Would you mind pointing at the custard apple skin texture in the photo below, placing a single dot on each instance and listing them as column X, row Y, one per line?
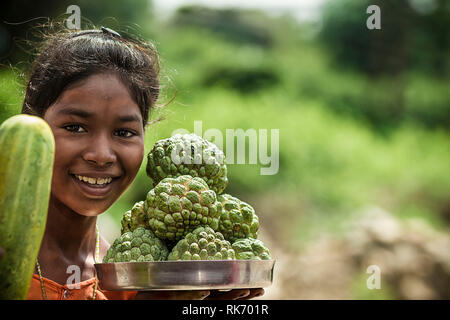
column 202, row 244
column 134, row 218
column 176, row 206
column 137, row 246
column 238, row 219
column 188, row 154
column 251, row 249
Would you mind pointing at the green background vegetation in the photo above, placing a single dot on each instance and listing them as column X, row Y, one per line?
column 363, row 115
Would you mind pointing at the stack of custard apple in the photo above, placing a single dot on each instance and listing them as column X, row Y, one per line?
column 186, row 215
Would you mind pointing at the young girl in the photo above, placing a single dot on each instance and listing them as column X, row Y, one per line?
column 95, row 89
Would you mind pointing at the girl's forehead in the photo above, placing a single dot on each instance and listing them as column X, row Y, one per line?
column 104, row 84
column 101, row 95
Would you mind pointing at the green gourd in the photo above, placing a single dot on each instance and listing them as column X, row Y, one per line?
column 27, row 149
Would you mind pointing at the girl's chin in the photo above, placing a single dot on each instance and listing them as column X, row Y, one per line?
column 89, row 208
column 84, row 208
column 90, row 213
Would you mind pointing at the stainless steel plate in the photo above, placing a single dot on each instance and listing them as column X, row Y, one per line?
column 185, row 275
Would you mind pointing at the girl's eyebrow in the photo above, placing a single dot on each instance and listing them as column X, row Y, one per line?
column 130, row 118
column 85, row 114
column 76, row 112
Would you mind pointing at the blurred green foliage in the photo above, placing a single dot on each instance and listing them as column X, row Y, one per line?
column 407, row 61
column 361, row 292
column 237, row 26
column 11, row 93
column 414, row 34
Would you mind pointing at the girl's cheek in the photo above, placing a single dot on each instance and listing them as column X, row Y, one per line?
column 132, row 154
column 132, row 161
column 63, row 151
column 66, row 154
column 139, row 157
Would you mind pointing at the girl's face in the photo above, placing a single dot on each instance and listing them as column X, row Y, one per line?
column 99, row 140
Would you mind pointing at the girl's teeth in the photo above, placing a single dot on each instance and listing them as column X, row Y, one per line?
column 94, row 180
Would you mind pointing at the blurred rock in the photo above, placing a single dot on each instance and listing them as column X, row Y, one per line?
column 414, row 287
column 378, row 226
column 413, row 258
column 411, row 255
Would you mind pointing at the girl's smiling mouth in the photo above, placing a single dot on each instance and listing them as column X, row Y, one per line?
column 94, row 181
column 95, row 185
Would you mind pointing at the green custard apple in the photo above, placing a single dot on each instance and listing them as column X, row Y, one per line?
column 134, row 218
column 176, row 206
column 137, row 246
column 238, row 219
column 188, row 154
column 251, row 249
column 202, row 244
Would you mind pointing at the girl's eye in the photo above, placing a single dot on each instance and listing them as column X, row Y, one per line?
column 74, row 128
column 125, row 133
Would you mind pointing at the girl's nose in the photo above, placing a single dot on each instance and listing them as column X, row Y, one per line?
column 100, row 152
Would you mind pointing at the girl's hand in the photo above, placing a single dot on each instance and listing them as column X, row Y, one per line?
column 172, row 295
column 235, row 294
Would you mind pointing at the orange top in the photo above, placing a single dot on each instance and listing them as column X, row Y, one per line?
column 85, row 291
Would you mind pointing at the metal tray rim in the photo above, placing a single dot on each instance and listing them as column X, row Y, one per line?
column 185, row 275
column 189, row 261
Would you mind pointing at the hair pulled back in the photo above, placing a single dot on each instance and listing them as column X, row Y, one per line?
column 68, row 56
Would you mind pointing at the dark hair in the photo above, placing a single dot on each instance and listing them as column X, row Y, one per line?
column 69, row 56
